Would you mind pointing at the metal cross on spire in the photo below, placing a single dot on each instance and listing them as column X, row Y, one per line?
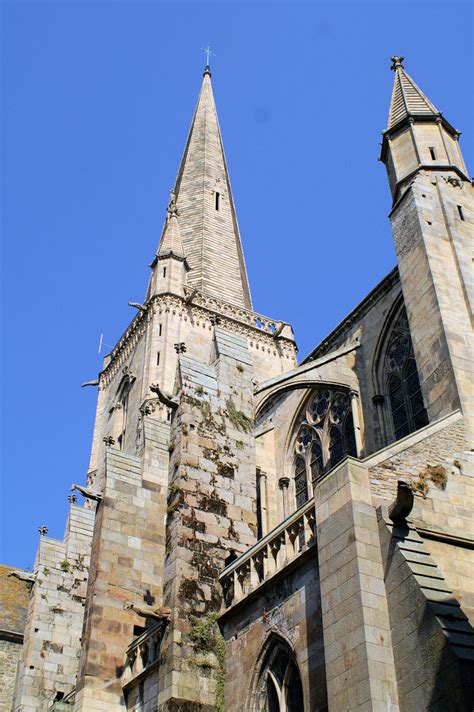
column 209, row 53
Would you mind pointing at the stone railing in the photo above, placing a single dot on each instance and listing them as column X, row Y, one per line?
column 269, row 555
column 143, row 653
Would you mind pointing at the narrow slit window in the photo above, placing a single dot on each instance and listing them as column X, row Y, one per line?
column 158, row 358
column 164, row 271
column 160, row 329
column 217, row 198
column 432, row 153
column 461, row 212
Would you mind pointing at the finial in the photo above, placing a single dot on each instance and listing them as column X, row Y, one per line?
column 209, row 53
column 397, row 62
column 43, row 530
column 72, row 498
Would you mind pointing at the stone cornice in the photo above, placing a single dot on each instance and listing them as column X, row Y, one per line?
column 258, row 328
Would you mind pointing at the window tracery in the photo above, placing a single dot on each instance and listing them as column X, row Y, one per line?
column 402, row 381
column 326, row 434
column 279, row 688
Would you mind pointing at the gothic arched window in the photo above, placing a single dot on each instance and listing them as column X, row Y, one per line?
column 325, row 436
column 279, row 687
column 121, row 409
column 402, row 381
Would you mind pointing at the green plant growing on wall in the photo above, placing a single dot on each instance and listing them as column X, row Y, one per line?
column 207, row 638
column 238, row 418
column 65, row 565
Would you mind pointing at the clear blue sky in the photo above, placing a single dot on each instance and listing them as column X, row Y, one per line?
column 97, row 101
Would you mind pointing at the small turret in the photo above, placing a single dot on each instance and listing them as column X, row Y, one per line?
column 417, row 135
column 170, row 265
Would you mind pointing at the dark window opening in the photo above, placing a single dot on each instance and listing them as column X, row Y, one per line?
column 217, row 200
column 164, row 271
column 279, row 688
column 158, row 358
column 301, row 483
column 316, row 464
column 403, row 383
column 432, row 153
column 160, row 329
column 259, row 507
column 461, row 212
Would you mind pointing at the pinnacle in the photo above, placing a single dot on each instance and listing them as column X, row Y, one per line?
column 171, row 240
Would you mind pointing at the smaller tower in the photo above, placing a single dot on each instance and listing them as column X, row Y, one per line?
column 417, row 136
column 432, row 217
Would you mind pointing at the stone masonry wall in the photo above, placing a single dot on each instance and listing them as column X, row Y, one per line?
column 127, row 548
column 433, row 643
column 287, row 607
column 10, row 652
column 360, row 669
column 49, row 658
column 211, row 511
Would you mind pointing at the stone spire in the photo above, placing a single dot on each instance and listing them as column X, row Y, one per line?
column 207, row 219
column 407, row 98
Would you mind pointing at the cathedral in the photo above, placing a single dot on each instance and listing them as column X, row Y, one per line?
column 256, row 534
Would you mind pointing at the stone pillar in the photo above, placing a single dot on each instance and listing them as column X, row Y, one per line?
column 283, row 484
column 262, row 489
column 356, row 420
column 360, row 670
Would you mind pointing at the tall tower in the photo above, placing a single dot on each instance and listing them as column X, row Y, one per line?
column 432, row 222
column 173, row 456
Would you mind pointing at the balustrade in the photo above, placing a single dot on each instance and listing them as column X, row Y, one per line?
column 143, row 652
column 269, row 555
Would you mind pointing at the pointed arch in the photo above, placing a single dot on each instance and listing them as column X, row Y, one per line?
column 277, row 684
column 396, row 376
column 321, row 435
column 121, row 407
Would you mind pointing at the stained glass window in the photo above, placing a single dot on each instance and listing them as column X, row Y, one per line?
column 301, row 484
column 325, row 435
column 279, row 688
column 403, row 383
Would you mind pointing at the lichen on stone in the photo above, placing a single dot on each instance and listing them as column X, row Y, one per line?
column 437, row 474
column 238, row 418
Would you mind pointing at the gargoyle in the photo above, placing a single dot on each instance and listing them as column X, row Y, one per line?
column 23, row 575
column 189, row 297
column 87, row 493
column 401, row 508
column 155, row 612
column 140, row 307
column 280, row 325
column 89, row 383
column 164, row 397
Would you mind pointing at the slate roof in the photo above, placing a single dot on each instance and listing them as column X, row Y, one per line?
column 407, row 99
